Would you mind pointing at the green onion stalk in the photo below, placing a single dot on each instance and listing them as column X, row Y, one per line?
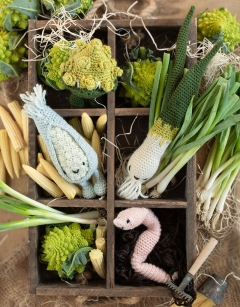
column 36, row 213
column 213, row 186
column 215, row 114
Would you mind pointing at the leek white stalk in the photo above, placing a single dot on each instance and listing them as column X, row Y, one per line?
column 37, row 213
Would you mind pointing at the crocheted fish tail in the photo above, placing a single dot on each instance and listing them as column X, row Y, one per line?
column 180, row 55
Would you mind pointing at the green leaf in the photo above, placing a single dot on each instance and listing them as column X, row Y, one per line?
column 217, row 129
column 127, row 76
column 13, row 40
column 9, row 70
column 73, row 5
column 141, row 53
column 7, row 23
column 14, row 201
column 31, row 8
column 79, row 257
column 49, row 5
column 154, row 93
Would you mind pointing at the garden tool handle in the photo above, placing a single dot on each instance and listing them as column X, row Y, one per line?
column 208, row 248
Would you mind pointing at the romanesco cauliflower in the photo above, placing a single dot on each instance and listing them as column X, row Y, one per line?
column 219, row 24
column 15, row 14
column 58, row 54
column 11, row 63
column 91, row 66
column 60, row 242
column 142, row 78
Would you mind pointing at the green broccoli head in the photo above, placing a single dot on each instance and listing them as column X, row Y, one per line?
column 11, row 63
column 219, row 24
column 90, row 66
column 78, row 7
column 142, row 79
column 58, row 54
column 60, row 242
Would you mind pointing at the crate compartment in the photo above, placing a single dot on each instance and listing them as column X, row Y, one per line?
column 180, row 200
column 164, row 37
column 41, row 194
column 51, row 276
column 59, row 99
column 130, row 134
column 168, row 253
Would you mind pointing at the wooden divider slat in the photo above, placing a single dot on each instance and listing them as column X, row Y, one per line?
column 38, row 284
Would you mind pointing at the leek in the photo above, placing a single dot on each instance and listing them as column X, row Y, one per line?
column 36, row 213
column 214, row 114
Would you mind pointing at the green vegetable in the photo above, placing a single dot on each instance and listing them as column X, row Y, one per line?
column 76, row 262
column 49, row 69
column 91, row 66
column 11, row 56
column 15, row 13
column 162, row 84
column 73, row 6
column 180, row 57
column 144, row 162
column 209, row 115
column 175, row 109
column 221, row 167
column 60, row 243
column 219, row 24
column 36, row 213
column 142, row 78
column 90, row 71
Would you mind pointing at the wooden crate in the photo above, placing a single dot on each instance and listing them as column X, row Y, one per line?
column 182, row 198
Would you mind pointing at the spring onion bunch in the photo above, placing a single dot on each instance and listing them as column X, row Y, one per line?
column 218, row 175
column 220, row 169
column 213, row 112
column 37, row 213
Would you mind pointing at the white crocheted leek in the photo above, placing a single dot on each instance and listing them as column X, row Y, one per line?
column 73, row 157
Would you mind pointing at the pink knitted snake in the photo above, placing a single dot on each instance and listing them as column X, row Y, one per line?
column 131, row 218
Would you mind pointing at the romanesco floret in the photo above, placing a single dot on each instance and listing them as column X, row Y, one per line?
column 90, row 66
column 143, row 77
column 58, row 54
column 18, row 19
column 219, row 24
column 10, row 58
column 54, row 5
column 60, row 242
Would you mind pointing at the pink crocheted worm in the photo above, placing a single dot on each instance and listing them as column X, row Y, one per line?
column 131, row 218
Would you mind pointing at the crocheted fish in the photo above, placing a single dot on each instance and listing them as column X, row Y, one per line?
column 75, row 160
